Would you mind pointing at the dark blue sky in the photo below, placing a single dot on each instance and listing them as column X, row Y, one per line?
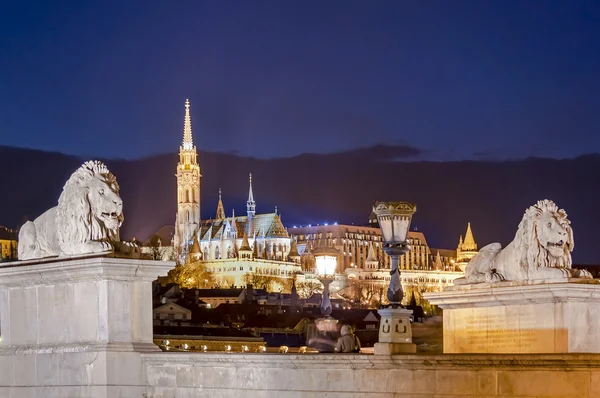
column 455, row 79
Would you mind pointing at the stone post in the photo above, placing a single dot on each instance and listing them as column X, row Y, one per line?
column 76, row 327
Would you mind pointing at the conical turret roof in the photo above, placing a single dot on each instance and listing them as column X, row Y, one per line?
column 195, row 249
column 293, row 248
column 245, row 244
column 371, row 255
column 469, row 242
column 438, row 261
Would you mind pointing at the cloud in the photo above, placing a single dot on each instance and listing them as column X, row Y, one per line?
column 382, row 152
column 377, row 153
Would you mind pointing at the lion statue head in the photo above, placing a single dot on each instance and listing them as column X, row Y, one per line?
column 89, row 208
column 545, row 236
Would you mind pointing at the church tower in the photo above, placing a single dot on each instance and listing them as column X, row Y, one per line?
column 188, row 188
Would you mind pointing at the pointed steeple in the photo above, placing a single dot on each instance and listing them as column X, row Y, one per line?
column 188, row 142
column 195, row 251
column 469, row 242
column 245, row 243
column 371, row 254
column 220, row 209
column 245, row 251
column 251, row 204
column 293, row 254
column 438, row 261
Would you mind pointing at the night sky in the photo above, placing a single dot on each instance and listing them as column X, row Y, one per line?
column 451, row 79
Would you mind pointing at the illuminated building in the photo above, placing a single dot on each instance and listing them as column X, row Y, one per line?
column 229, row 247
column 8, row 244
column 353, row 243
column 361, row 258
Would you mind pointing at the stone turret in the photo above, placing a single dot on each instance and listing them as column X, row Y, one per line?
column 467, row 248
column 371, row 262
column 245, row 251
column 294, row 255
column 195, row 251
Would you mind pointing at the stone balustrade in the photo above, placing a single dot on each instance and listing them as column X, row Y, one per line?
column 356, row 375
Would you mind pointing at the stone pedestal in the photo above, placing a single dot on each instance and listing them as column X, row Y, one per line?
column 395, row 334
column 508, row 317
column 76, row 327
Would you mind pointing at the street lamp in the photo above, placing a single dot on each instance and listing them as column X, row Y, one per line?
column 326, row 259
column 395, row 335
column 394, row 220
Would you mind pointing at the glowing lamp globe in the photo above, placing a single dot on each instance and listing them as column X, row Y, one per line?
column 326, row 261
column 394, row 220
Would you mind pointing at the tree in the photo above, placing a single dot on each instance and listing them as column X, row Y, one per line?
column 270, row 283
column 367, row 294
column 191, row 275
column 307, row 288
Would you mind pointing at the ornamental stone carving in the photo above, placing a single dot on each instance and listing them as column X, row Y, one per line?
column 540, row 250
column 86, row 220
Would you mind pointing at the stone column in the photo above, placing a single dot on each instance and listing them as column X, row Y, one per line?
column 76, row 327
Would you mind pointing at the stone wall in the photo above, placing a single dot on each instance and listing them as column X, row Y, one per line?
column 350, row 375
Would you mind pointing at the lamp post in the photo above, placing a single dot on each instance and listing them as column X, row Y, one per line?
column 326, row 259
column 395, row 335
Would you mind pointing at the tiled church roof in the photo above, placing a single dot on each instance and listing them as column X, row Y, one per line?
column 262, row 225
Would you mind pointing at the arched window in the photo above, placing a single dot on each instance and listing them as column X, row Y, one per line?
column 187, row 196
column 217, row 253
column 188, row 215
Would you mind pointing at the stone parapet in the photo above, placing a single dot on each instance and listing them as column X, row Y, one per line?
column 355, row 375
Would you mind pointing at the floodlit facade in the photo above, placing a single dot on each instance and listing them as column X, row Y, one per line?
column 8, row 244
column 354, row 242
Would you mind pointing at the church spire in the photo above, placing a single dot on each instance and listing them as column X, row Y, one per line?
column 251, row 204
column 188, row 142
column 220, row 209
column 469, row 242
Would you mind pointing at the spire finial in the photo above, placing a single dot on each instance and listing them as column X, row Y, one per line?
column 219, row 193
column 275, row 209
column 251, row 204
column 188, row 142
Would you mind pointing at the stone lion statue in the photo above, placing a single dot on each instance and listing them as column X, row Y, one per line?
column 541, row 249
column 86, row 220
